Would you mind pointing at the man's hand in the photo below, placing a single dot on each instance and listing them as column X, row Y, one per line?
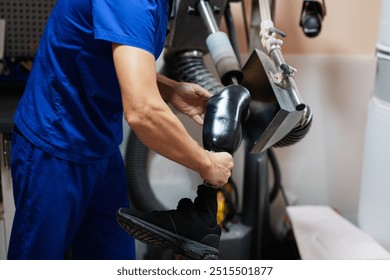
column 220, row 170
column 190, row 99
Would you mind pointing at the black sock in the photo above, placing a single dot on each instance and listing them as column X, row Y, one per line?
column 206, row 204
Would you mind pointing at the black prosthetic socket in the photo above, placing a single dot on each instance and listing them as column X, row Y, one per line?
column 225, row 114
column 206, row 204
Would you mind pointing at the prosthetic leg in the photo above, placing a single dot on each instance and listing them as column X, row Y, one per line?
column 191, row 230
column 278, row 118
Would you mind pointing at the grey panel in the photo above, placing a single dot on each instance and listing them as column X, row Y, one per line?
column 25, row 21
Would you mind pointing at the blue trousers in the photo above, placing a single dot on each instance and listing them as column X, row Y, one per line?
column 62, row 205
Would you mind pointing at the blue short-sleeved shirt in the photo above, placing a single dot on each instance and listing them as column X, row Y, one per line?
column 72, row 106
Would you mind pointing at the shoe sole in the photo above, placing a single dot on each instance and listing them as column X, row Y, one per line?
column 155, row 236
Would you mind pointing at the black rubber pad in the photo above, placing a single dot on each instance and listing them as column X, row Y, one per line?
column 155, row 236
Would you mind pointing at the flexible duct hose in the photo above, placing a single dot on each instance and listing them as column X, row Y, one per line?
column 140, row 192
column 191, row 68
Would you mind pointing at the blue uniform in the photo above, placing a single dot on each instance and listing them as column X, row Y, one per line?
column 68, row 174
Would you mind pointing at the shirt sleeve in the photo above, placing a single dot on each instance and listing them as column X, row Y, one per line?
column 127, row 22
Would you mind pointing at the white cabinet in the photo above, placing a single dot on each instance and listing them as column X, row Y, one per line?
column 8, row 207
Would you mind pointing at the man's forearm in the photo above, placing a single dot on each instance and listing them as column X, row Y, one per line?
column 166, row 86
column 160, row 130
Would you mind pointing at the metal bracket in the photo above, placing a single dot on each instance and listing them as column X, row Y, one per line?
column 7, row 150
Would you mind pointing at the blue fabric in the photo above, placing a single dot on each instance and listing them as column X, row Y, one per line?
column 61, row 204
column 72, row 105
column 68, row 175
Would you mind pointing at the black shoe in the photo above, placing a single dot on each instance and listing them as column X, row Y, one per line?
column 183, row 230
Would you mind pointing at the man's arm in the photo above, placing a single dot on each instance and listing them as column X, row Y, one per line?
column 165, row 86
column 153, row 121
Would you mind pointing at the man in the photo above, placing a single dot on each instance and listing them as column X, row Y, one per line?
column 96, row 63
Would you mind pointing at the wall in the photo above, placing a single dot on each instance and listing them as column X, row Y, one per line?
column 336, row 73
column 325, row 167
column 350, row 27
